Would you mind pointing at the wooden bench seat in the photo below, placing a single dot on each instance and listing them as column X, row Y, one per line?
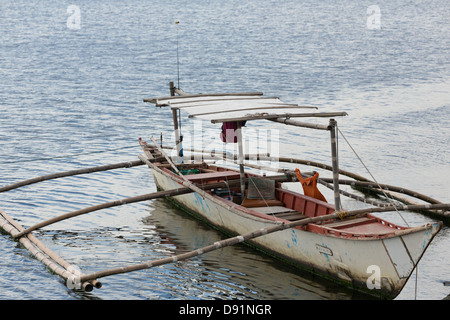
column 291, row 216
column 258, row 203
column 281, row 212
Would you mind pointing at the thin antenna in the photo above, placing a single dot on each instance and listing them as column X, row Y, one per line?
column 178, row 59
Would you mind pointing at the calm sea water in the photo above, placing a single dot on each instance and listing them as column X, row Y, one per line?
column 73, row 77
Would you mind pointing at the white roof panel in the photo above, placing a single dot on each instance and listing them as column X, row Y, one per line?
column 235, row 107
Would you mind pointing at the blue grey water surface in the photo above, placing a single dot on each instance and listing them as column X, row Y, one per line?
column 73, row 76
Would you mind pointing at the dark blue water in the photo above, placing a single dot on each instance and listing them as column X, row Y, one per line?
column 72, row 80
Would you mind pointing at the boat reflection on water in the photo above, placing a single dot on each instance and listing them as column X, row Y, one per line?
column 234, row 272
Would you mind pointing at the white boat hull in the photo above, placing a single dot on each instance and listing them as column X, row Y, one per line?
column 378, row 266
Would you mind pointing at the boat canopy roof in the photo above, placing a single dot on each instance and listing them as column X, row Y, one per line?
column 228, row 107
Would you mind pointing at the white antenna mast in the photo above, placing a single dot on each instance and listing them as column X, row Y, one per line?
column 178, row 59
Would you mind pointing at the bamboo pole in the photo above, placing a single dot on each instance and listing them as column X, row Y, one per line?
column 322, row 181
column 53, row 255
column 57, row 175
column 172, row 90
column 140, row 198
column 334, row 160
column 319, row 165
column 359, row 180
column 175, row 127
column 220, row 153
column 301, row 124
column 248, row 236
column 199, row 191
column 269, row 106
column 280, row 159
column 186, row 181
column 276, row 116
column 387, row 187
column 241, row 159
column 182, row 179
column 145, row 197
column 49, row 258
column 168, row 159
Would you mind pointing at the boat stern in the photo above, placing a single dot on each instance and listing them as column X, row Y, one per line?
column 402, row 254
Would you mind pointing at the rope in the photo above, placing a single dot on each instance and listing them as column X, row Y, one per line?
column 375, row 180
column 341, row 214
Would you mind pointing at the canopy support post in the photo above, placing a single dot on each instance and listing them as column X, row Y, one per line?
column 335, row 164
column 241, row 158
column 179, row 158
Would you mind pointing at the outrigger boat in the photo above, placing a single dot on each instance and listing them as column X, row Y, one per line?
column 363, row 252
column 355, row 248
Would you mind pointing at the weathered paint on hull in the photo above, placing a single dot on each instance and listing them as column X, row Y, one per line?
column 379, row 267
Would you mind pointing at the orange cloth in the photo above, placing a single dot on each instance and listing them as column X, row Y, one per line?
column 310, row 186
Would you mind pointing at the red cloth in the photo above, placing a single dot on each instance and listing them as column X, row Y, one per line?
column 229, row 131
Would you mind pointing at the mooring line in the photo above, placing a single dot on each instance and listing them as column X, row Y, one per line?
column 375, row 180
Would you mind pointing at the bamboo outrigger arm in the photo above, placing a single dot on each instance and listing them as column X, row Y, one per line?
column 359, row 181
column 88, row 281
column 140, row 198
column 106, row 205
column 249, row 236
column 224, row 155
column 128, row 164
